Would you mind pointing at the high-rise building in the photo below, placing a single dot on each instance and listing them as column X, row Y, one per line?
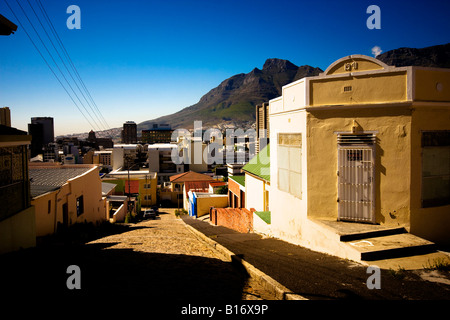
column 42, row 133
column 5, row 116
column 262, row 126
column 129, row 132
column 157, row 133
column 47, row 127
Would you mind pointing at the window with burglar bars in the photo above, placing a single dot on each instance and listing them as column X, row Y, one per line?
column 14, row 183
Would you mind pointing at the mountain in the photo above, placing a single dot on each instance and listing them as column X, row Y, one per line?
column 234, row 100
column 435, row 56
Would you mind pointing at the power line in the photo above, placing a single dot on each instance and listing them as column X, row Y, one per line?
column 51, row 56
column 86, row 95
column 62, row 60
column 46, row 62
column 61, row 44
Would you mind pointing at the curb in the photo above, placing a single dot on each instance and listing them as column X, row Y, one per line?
column 270, row 284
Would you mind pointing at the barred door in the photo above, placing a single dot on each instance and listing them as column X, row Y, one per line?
column 356, row 183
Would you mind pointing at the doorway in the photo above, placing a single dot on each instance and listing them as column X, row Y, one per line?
column 356, row 173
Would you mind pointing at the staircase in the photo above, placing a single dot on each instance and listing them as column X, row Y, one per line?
column 387, row 244
column 366, row 242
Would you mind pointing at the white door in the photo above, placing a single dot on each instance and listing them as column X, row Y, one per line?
column 356, row 200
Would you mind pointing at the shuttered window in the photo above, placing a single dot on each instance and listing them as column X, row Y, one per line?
column 289, row 163
column 435, row 168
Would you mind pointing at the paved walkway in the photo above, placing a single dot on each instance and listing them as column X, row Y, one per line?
column 315, row 275
column 153, row 260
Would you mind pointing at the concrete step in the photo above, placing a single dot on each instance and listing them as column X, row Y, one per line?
column 391, row 246
column 371, row 233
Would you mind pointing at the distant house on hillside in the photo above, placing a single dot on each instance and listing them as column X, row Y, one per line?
column 182, row 183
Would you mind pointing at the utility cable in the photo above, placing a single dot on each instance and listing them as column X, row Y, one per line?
column 46, row 62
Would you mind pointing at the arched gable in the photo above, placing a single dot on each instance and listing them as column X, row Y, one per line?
column 355, row 63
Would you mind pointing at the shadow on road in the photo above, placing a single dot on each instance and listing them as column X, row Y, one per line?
column 112, row 273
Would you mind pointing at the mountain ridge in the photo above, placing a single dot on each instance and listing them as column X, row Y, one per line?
column 235, row 98
column 437, row 56
column 233, row 101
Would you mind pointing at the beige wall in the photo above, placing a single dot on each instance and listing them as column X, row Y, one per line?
column 288, row 213
column 365, row 89
column 151, row 192
column 215, row 200
column 254, row 193
column 87, row 185
column 431, row 223
column 392, row 160
column 18, row 232
column 426, row 84
column 46, row 222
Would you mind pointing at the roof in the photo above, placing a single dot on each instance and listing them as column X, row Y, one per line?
column 196, row 186
column 116, row 198
column 48, row 178
column 190, row 176
column 238, row 179
column 10, row 131
column 107, row 188
column 6, row 26
column 12, row 136
column 259, row 165
column 217, row 183
column 133, row 174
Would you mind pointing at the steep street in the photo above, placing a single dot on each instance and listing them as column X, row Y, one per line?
column 159, row 260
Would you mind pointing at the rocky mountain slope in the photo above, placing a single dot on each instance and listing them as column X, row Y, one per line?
column 234, row 100
column 434, row 56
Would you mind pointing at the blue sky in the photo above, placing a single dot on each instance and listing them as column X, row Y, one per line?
column 144, row 59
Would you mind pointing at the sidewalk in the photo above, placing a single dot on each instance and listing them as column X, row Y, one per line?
column 314, row 275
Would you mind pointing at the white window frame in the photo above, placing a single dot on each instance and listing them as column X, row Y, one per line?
column 289, row 163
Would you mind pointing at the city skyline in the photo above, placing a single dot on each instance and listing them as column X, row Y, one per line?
column 141, row 61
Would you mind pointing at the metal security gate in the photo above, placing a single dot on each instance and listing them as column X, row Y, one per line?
column 356, row 190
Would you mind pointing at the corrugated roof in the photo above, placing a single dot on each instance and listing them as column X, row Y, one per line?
column 107, row 187
column 217, row 183
column 196, row 186
column 43, row 180
column 238, row 179
column 259, row 165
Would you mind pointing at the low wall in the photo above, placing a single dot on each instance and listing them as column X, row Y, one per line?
column 240, row 220
column 119, row 215
column 18, row 231
column 260, row 226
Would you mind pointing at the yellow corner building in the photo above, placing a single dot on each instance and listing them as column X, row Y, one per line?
column 362, row 142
